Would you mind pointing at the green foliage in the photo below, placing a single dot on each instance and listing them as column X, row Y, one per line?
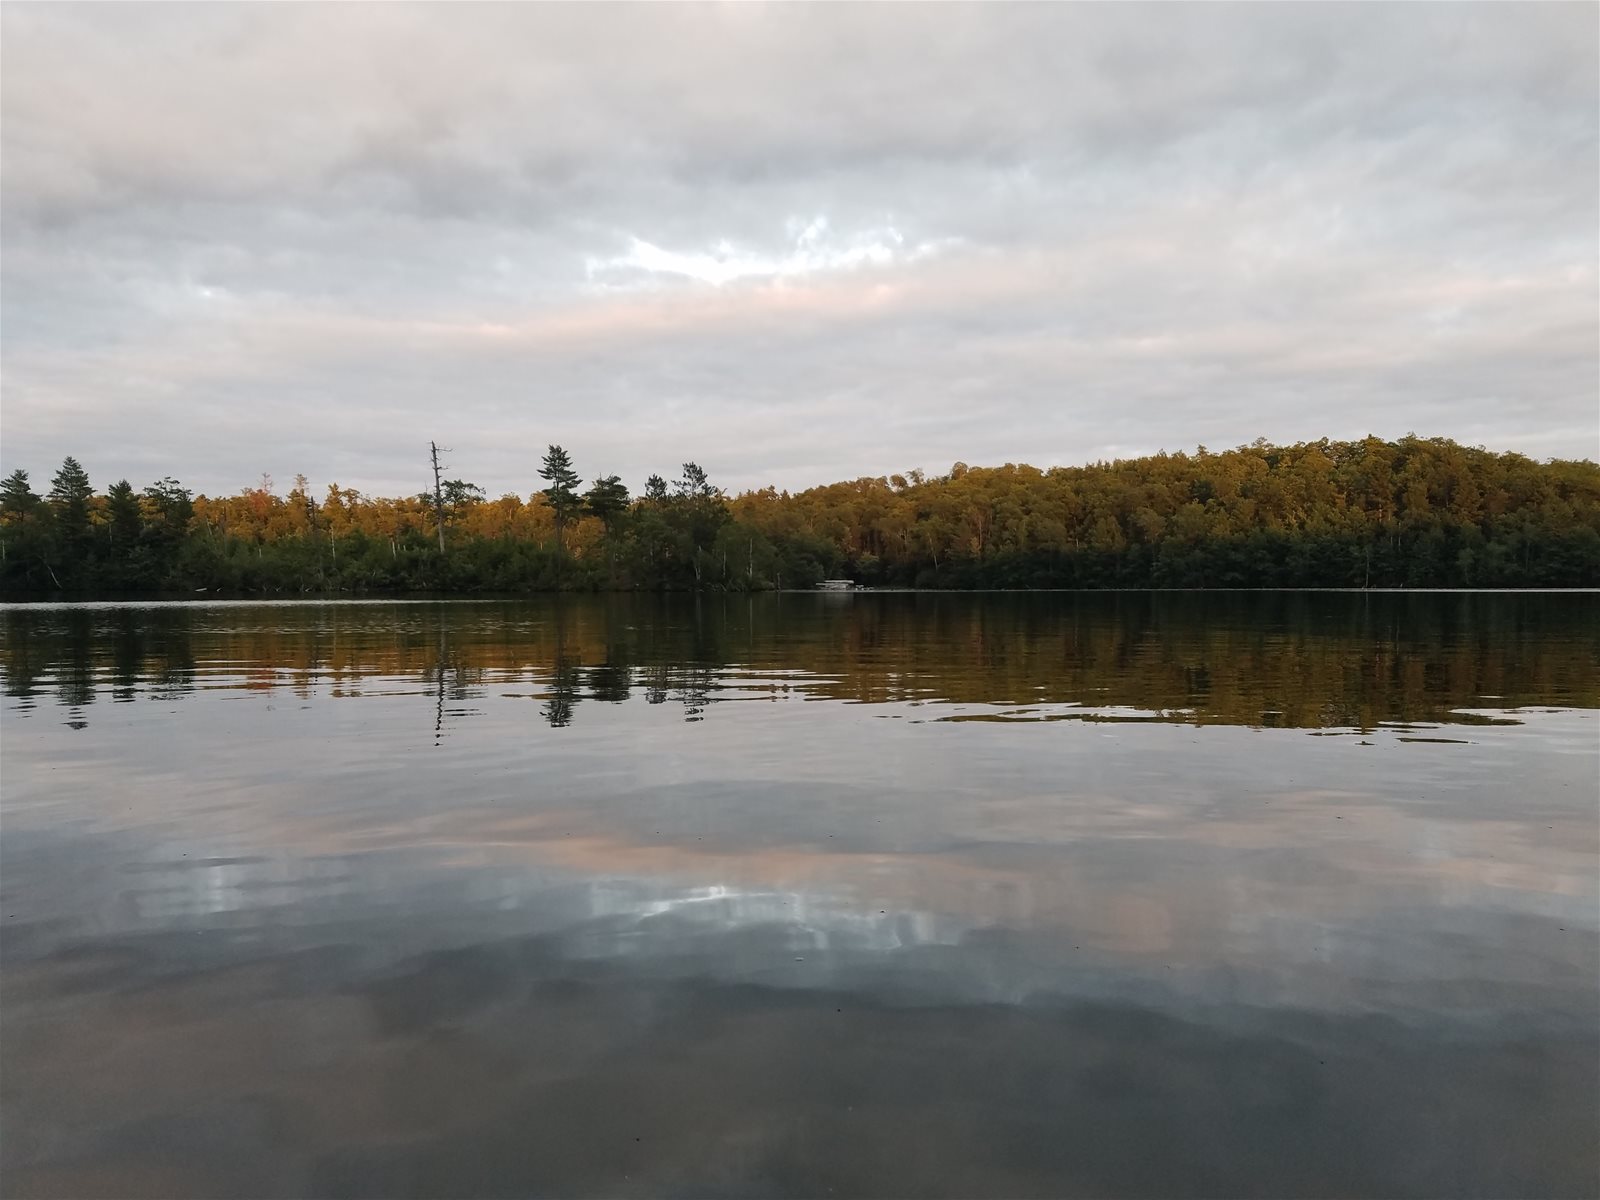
column 124, row 520
column 607, row 499
column 17, row 499
column 562, row 494
column 459, row 495
column 1411, row 513
column 27, row 538
column 173, row 507
column 70, row 493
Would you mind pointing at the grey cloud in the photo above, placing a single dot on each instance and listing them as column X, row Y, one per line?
column 309, row 238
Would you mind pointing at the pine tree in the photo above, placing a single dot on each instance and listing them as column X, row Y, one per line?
column 122, row 505
column 608, row 500
column 17, row 499
column 70, row 493
column 562, row 494
column 25, row 541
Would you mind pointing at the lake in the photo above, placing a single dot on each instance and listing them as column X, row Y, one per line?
column 803, row 895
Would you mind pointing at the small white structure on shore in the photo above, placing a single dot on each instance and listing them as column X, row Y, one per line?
column 837, row 585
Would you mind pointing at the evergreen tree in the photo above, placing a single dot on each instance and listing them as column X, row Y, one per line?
column 70, row 493
column 25, row 536
column 122, row 506
column 1409, row 513
column 562, row 494
column 174, row 506
column 607, row 499
column 17, row 499
column 700, row 511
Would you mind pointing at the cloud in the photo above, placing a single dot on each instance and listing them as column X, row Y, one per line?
column 795, row 244
column 814, row 250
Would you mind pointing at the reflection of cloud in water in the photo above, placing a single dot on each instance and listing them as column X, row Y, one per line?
column 388, row 928
column 818, row 921
column 987, row 922
column 509, row 1066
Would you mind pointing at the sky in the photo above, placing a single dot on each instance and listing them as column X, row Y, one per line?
column 794, row 244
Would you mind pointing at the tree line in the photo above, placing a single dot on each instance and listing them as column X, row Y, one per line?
column 1371, row 513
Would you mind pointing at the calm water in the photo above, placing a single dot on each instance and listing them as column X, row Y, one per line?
column 883, row 895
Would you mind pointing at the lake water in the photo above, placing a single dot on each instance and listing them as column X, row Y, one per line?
column 803, row 895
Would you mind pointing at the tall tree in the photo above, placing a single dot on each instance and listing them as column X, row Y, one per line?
column 702, row 511
column 25, row 535
column 562, row 494
column 122, row 506
column 70, row 493
column 607, row 499
column 1413, row 512
column 302, row 508
column 174, row 505
column 695, row 485
column 459, row 495
column 438, row 492
column 17, row 499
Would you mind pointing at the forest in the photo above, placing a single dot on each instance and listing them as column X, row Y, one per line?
column 1416, row 512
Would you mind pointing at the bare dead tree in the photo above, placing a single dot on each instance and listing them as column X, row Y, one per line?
column 438, row 492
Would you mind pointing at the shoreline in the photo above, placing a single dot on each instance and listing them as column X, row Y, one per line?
column 218, row 599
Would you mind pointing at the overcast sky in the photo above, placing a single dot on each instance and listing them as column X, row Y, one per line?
column 795, row 244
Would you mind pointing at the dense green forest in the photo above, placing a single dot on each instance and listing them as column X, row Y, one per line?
column 1409, row 513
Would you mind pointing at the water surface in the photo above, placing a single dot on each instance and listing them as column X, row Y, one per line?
column 1129, row 895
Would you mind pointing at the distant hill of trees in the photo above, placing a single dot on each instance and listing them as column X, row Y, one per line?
column 1409, row 513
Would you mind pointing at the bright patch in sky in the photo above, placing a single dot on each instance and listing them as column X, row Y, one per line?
column 1043, row 233
column 813, row 249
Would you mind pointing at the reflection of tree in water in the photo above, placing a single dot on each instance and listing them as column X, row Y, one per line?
column 127, row 656
column 610, row 682
column 562, row 682
column 561, row 694
column 29, row 651
column 694, row 683
column 75, row 673
column 169, row 673
column 1310, row 661
column 657, row 680
column 687, row 684
column 78, row 650
column 449, row 678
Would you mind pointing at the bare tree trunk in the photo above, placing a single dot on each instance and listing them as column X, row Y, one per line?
column 438, row 494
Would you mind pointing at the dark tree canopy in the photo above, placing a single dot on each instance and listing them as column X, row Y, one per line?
column 459, row 494
column 70, row 493
column 607, row 499
column 174, row 505
column 16, row 497
column 562, row 493
column 123, row 513
column 1415, row 512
